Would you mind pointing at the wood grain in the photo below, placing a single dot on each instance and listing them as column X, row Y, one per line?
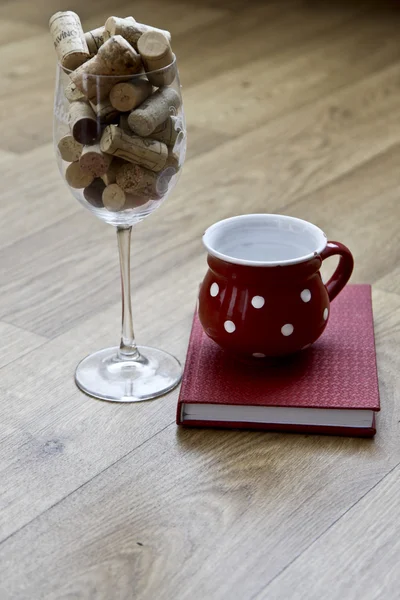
column 351, row 194
column 268, row 87
column 363, row 546
column 251, row 33
column 26, row 97
column 11, row 29
column 33, row 190
column 214, row 494
column 319, row 145
column 391, row 281
column 292, row 107
column 16, row 343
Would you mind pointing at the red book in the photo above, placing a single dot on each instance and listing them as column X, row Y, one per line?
column 330, row 388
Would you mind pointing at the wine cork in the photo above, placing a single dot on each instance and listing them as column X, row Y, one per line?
column 165, row 177
column 83, row 123
column 94, row 161
column 97, row 87
column 95, row 39
column 119, row 57
column 70, row 150
column 148, row 153
column 153, row 111
column 72, row 93
column 173, row 161
column 127, row 96
column 76, row 177
column 93, row 193
column 115, row 59
column 116, row 199
column 130, row 29
column 134, row 179
column 124, row 125
column 179, row 142
column 168, row 131
column 111, row 175
column 156, row 53
column 172, row 166
column 69, row 40
column 133, row 201
column 105, row 111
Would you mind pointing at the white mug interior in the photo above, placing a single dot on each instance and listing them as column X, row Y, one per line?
column 264, row 240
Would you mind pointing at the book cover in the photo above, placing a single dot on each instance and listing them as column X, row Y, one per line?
column 338, row 373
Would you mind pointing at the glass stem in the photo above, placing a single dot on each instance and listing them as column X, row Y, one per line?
column 127, row 348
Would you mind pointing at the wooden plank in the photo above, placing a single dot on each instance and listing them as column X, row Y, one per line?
column 33, row 197
column 391, row 281
column 26, row 100
column 79, row 269
column 112, row 501
column 299, row 152
column 39, row 14
column 280, row 82
column 29, row 122
column 291, row 157
column 250, row 34
column 11, row 31
column 76, row 274
column 6, row 156
column 16, row 342
column 202, row 140
column 184, row 498
column 362, row 547
column 175, row 16
column 373, row 235
column 19, row 69
column 47, row 419
column 26, row 97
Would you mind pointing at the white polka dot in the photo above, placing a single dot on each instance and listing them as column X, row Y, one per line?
column 229, row 326
column 326, row 313
column 214, row 289
column 287, row 329
column 258, row 301
column 305, row 295
column 258, row 355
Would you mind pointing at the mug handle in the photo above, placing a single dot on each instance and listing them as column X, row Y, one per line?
column 343, row 271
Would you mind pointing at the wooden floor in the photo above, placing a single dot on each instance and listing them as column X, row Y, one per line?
column 293, row 107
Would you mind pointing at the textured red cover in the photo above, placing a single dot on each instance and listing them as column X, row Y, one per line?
column 338, row 371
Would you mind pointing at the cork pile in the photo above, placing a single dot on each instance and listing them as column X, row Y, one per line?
column 124, row 129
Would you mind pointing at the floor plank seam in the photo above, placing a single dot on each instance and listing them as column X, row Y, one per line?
column 303, row 105
column 380, row 289
column 109, row 303
column 310, row 103
column 341, row 176
column 24, row 330
column 291, row 108
column 43, row 343
column 350, row 508
column 42, row 229
column 283, row 207
column 14, row 533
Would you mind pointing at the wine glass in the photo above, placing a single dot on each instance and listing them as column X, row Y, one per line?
column 122, row 174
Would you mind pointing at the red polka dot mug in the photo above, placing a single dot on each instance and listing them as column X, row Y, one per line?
column 263, row 294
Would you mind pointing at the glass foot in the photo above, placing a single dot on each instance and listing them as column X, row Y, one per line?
column 106, row 376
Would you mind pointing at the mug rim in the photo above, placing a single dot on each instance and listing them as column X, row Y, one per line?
column 321, row 236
